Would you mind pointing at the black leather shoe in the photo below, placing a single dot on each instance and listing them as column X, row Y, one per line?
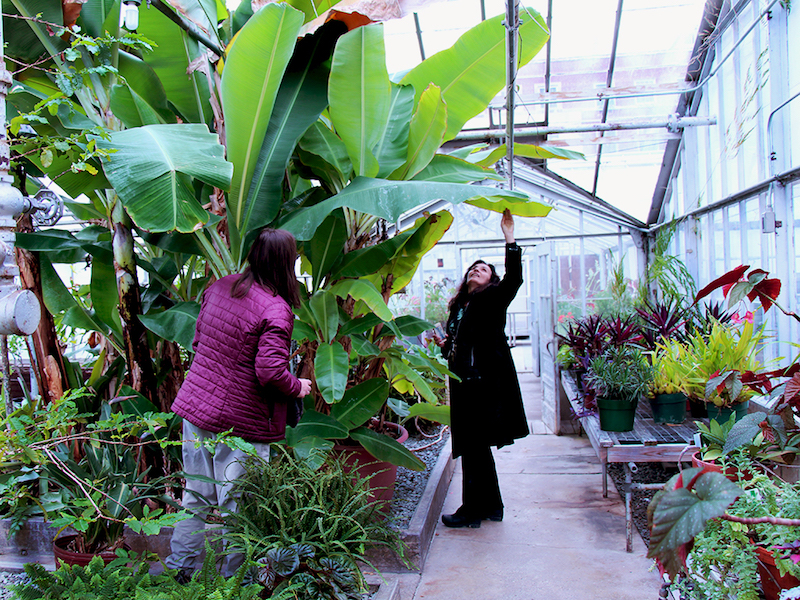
column 495, row 515
column 457, row 520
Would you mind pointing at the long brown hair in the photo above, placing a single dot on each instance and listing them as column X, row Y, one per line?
column 463, row 290
column 271, row 264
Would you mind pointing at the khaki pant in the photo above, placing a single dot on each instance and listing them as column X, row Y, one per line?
column 201, row 497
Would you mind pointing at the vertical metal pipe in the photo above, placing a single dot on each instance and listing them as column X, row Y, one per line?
column 512, row 29
column 419, row 36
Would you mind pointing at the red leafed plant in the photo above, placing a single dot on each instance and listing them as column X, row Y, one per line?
column 757, row 285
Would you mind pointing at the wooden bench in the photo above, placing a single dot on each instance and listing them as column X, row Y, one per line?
column 648, row 442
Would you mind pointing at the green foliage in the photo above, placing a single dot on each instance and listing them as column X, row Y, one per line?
column 669, row 368
column 680, row 512
column 296, row 571
column 723, row 565
column 666, row 272
column 128, row 577
column 766, row 496
column 724, row 349
column 97, row 492
column 714, row 437
column 285, row 501
column 620, row 372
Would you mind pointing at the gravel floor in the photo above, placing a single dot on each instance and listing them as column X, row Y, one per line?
column 646, row 473
column 7, row 579
column 410, row 485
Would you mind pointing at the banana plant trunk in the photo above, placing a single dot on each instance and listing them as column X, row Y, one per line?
column 134, row 333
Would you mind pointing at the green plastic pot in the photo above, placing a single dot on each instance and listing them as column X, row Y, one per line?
column 722, row 414
column 616, row 414
column 669, row 408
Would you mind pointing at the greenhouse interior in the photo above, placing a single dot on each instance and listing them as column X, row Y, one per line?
column 320, row 281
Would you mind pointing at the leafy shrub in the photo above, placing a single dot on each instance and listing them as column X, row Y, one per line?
column 118, row 580
column 285, row 502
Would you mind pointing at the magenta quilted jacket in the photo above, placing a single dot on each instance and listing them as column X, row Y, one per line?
column 240, row 377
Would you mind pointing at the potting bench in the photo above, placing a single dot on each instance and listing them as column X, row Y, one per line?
column 648, row 442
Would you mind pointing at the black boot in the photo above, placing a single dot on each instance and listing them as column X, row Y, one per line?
column 461, row 518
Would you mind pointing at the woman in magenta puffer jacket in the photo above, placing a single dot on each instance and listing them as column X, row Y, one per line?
column 239, row 380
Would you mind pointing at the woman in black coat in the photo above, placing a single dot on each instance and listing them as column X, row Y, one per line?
column 486, row 404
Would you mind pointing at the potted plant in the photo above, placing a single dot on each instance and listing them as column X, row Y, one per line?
column 619, row 377
column 712, row 363
column 88, row 465
column 667, row 398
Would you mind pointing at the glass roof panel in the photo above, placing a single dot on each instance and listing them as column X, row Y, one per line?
column 656, row 38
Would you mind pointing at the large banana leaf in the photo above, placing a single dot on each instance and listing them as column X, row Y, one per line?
column 489, row 156
column 176, row 324
column 300, row 100
column 360, row 95
column 141, row 100
column 450, row 169
column 427, row 232
column 389, row 199
column 393, row 144
column 27, row 40
column 326, row 314
column 312, row 8
column 385, row 448
column 369, row 260
column 321, row 141
column 363, row 291
column 331, row 366
column 361, row 402
column 251, row 79
column 105, row 300
column 426, row 133
column 149, row 172
column 326, row 247
column 315, row 424
column 94, row 14
column 173, row 52
column 472, row 72
column 517, row 207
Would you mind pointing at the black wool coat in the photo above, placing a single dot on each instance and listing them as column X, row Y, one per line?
column 486, row 405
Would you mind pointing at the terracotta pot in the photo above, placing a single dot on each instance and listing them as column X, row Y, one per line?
column 730, row 472
column 383, row 473
column 70, row 557
column 772, row 582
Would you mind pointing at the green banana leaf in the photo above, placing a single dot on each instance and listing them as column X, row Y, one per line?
column 360, row 324
column 409, row 325
column 61, row 246
column 432, row 412
column 172, row 53
column 446, row 168
column 369, row 260
column 148, row 172
column 489, row 156
column 27, row 40
column 312, row 8
column 426, row 234
column 326, row 314
column 360, row 95
column 473, row 71
column 331, row 366
column 94, row 14
column 428, row 126
column 361, row 402
column 517, row 207
column 141, row 99
column 388, row 200
column 321, row 141
column 364, row 291
column 385, row 448
column 364, row 347
column 326, row 247
column 312, row 450
column 176, row 324
column 301, row 99
column 393, row 144
column 105, row 299
column 400, row 368
column 250, row 83
column 316, row 424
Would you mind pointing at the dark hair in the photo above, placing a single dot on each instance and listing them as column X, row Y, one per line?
column 463, row 290
column 271, row 264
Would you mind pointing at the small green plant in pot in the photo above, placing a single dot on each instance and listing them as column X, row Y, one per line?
column 666, row 394
column 619, row 378
column 713, row 363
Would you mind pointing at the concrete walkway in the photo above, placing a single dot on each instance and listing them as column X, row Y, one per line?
column 560, row 539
